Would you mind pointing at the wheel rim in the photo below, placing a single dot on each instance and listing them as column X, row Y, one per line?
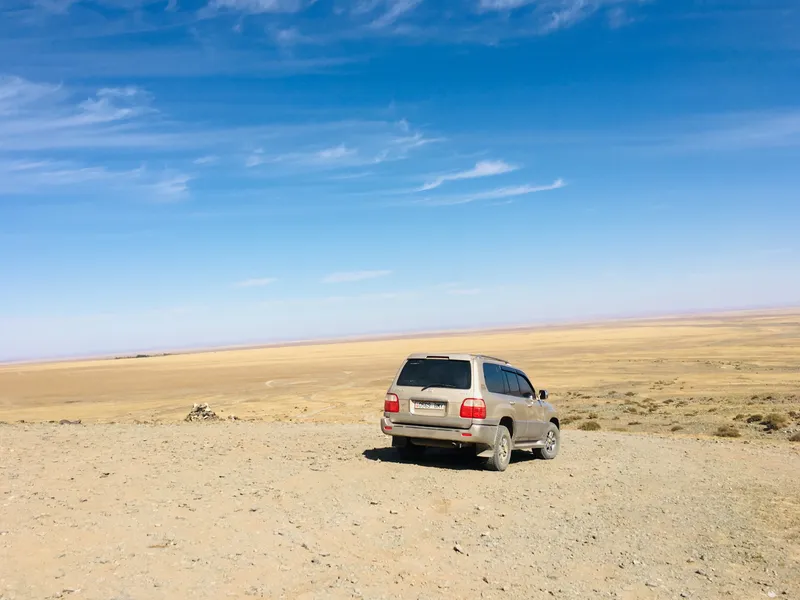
column 503, row 452
column 550, row 443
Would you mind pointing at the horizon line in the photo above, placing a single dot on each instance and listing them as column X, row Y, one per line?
column 387, row 336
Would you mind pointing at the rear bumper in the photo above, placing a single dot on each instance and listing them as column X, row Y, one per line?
column 476, row 434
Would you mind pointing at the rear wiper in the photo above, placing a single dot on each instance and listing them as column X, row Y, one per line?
column 441, row 385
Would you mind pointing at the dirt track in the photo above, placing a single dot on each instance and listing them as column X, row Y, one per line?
column 324, row 511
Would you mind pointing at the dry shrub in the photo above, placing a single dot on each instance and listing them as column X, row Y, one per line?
column 711, row 410
column 630, row 394
column 635, row 423
column 795, row 437
column 589, row 426
column 675, row 428
column 754, row 418
column 592, row 416
column 728, row 431
column 570, row 419
column 739, row 417
column 774, row 421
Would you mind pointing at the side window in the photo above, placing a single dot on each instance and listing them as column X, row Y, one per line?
column 512, row 382
column 524, row 386
column 493, row 375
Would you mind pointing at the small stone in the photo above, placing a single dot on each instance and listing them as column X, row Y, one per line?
column 459, row 549
column 485, row 579
column 651, row 584
column 504, row 588
column 684, row 594
column 393, row 512
column 486, row 534
column 771, row 594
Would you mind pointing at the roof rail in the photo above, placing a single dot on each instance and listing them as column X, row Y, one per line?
column 494, row 358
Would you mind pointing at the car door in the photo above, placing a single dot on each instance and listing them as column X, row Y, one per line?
column 534, row 408
column 518, row 405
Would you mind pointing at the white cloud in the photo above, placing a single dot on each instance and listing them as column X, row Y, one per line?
column 395, row 10
column 335, row 153
column 351, row 276
column 505, row 192
column 171, row 188
column 485, row 168
column 259, row 6
column 209, row 159
column 39, row 176
column 36, row 116
column 258, row 282
column 553, row 15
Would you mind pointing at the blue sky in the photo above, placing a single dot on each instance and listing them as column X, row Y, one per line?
column 182, row 173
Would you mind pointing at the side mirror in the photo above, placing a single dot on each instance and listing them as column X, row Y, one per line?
column 543, row 395
column 527, row 396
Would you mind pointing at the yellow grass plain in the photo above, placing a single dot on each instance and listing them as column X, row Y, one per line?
column 681, row 375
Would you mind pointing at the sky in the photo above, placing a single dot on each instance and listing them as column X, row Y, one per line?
column 182, row 173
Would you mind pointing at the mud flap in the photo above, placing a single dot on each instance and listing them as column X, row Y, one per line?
column 483, row 451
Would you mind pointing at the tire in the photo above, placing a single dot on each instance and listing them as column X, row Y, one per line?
column 501, row 452
column 407, row 450
column 552, row 443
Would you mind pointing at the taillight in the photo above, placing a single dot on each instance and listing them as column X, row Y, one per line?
column 392, row 403
column 473, row 408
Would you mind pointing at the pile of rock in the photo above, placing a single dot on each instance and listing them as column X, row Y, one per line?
column 201, row 412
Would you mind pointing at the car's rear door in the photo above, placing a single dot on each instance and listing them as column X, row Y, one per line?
column 518, row 405
column 534, row 409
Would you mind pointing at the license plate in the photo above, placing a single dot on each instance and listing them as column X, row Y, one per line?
column 430, row 405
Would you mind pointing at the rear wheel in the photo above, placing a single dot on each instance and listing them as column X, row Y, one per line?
column 501, row 453
column 552, row 442
column 406, row 449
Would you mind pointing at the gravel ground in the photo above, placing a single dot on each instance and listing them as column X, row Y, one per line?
column 242, row 510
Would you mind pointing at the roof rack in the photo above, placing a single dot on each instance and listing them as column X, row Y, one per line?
column 493, row 358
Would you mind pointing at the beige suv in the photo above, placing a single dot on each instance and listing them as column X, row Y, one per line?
column 458, row 400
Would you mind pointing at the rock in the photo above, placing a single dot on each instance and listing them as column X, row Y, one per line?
column 393, row 512
column 459, row 549
column 771, row 594
column 68, row 422
column 201, row 412
column 651, row 584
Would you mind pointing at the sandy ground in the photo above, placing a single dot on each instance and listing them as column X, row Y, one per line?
column 691, row 374
column 242, row 510
column 302, row 498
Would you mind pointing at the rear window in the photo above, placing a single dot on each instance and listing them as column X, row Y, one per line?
column 422, row 372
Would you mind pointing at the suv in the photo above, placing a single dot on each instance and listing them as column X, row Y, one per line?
column 468, row 400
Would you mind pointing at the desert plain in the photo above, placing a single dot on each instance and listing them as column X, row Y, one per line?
column 678, row 477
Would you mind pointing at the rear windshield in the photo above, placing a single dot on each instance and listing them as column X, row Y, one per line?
column 422, row 372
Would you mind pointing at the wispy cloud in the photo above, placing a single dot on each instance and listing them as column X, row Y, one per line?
column 393, row 11
column 209, row 159
column 351, row 276
column 43, row 176
column 259, row 6
column 257, row 282
column 552, row 15
column 738, row 131
column 485, row 168
column 505, row 192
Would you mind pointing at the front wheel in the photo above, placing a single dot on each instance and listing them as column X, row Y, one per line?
column 552, row 442
column 501, row 454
